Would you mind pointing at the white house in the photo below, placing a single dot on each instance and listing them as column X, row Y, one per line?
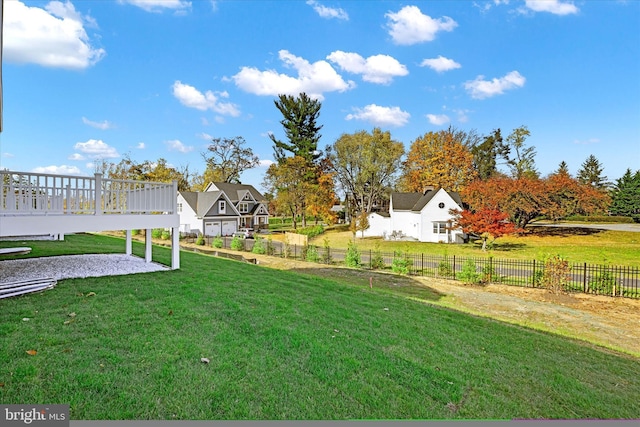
column 418, row 216
column 222, row 209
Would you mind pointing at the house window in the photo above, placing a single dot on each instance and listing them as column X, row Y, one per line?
column 439, row 228
column 222, row 206
column 441, row 205
column 179, row 207
column 244, row 207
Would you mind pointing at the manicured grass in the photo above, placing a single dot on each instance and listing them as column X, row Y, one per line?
column 575, row 245
column 286, row 346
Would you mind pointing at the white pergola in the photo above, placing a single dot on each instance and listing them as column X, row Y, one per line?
column 34, row 204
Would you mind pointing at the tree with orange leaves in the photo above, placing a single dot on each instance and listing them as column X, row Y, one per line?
column 487, row 223
column 439, row 159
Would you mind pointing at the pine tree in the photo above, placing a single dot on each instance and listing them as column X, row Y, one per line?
column 591, row 173
column 626, row 196
column 563, row 168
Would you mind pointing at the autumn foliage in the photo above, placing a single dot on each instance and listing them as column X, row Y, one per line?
column 488, row 223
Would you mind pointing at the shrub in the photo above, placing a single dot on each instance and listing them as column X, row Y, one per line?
column 444, row 268
column 377, row 261
column 237, row 244
column 401, row 263
column 135, row 232
column 200, row 240
column 555, row 276
column 469, row 273
column 271, row 249
column 488, row 272
column 603, row 283
column 165, row 235
column 326, row 253
column 217, row 242
column 312, row 254
column 286, row 248
column 156, row 233
column 259, row 246
column 352, row 258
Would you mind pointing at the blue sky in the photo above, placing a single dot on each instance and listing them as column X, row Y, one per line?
column 84, row 80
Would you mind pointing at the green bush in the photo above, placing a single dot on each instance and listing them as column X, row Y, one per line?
column 311, row 232
column 488, row 272
column 311, row 254
column 444, row 269
column 377, row 261
column 603, row 283
column 326, row 252
column 259, row 246
column 165, row 235
column 135, row 232
column 217, row 242
column 401, row 263
column 237, row 244
column 271, row 249
column 200, row 240
column 156, row 233
column 469, row 273
column 352, row 258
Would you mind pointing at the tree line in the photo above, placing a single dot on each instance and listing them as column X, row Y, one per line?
column 367, row 166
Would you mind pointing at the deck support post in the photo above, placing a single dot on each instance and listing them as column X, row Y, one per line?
column 127, row 249
column 175, row 248
column 147, row 244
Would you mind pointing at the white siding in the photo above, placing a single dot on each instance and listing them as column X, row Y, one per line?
column 379, row 226
column 189, row 221
column 432, row 213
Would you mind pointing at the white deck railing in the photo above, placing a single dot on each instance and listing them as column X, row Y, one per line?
column 25, row 193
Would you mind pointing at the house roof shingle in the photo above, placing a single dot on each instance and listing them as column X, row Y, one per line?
column 234, row 191
column 417, row 201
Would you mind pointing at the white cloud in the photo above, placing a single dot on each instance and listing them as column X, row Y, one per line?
column 191, row 97
column 380, row 116
column 480, row 88
column 463, row 116
column 177, row 145
column 58, row 170
column 265, row 163
column 51, row 37
column 77, row 156
column 205, row 136
column 7, row 155
column 438, row 119
column 375, row 69
column 160, row 5
column 96, row 149
column 440, row 64
column 328, row 12
column 410, row 26
column 557, row 7
column 313, row 79
column 141, row 146
column 104, row 125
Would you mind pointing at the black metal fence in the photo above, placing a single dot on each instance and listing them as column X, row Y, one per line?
column 587, row 278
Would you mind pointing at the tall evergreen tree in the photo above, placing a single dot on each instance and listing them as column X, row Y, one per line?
column 300, row 126
column 485, row 155
column 591, row 173
column 626, row 196
column 563, row 169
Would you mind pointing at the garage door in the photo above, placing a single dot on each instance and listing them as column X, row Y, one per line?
column 228, row 228
column 212, row 228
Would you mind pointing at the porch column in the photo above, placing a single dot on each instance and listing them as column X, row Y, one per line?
column 147, row 245
column 127, row 249
column 175, row 248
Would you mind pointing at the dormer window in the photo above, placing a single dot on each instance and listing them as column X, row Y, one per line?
column 222, row 206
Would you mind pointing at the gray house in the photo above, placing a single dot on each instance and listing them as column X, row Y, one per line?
column 222, row 209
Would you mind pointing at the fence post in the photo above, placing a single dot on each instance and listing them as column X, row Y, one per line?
column 422, row 264
column 98, row 196
column 533, row 276
column 454, row 267
column 584, row 278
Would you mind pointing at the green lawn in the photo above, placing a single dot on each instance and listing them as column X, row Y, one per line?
column 285, row 346
column 575, row 245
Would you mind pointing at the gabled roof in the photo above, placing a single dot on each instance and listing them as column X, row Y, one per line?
column 202, row 203
column 236, row 191
column 417, row 201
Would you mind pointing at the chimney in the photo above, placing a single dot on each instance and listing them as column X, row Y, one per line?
column 428, row 188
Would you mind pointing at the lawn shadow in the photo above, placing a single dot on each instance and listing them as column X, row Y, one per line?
column 401, row 285
column 561, row 231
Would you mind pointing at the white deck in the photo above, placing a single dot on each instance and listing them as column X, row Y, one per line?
column 44, row 204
